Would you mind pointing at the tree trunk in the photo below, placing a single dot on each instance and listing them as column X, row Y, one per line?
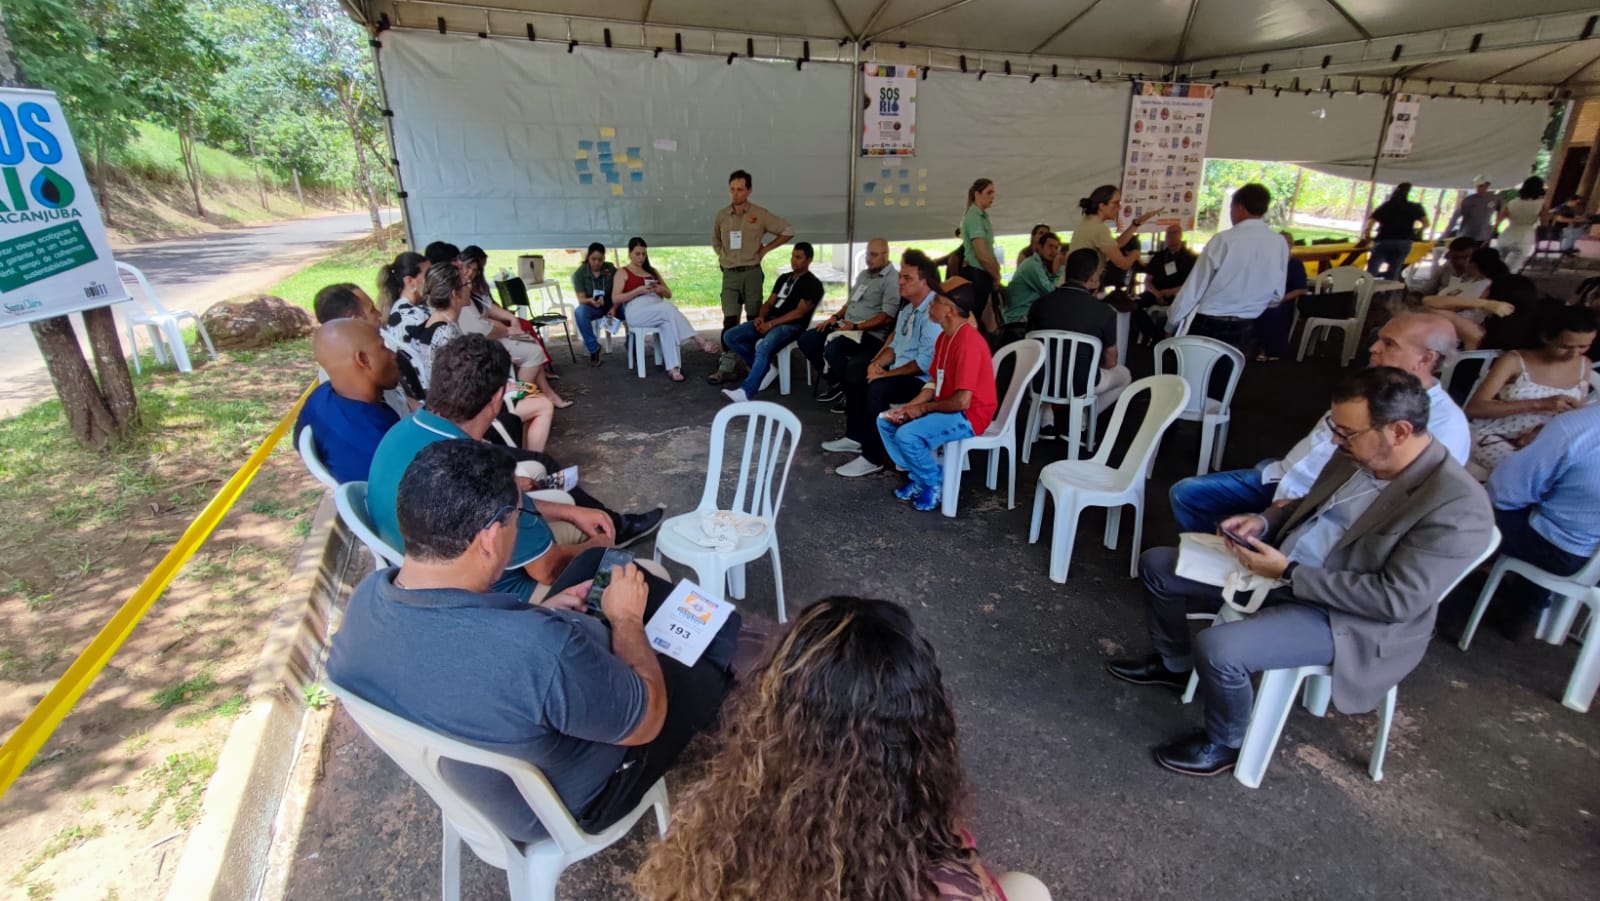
column 299, row 195
column 255, row 162
column 100, row 178
column 116, row 384
column 352, row 120
column 88, row 415
column 191, row 162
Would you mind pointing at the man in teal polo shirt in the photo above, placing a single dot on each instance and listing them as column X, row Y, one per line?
column 469, row 380
column 1035, row 278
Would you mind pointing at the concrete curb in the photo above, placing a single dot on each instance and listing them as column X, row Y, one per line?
column 226, row 855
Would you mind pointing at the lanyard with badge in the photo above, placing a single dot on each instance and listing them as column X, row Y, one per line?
column 940, row 359
column 736, row 233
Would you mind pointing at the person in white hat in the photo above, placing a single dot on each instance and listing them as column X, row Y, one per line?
column 1477, row 213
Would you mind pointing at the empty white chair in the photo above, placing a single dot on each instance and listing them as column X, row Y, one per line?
column 1275, row 698
column 1195, row 358
column 1571, row 593
column 313, row 461
column 1342, row 278
column 771, row 435
column 1064, row 353
column 1475, row 362
column 1075, row 484
column 634, row 341
column 1001, row 435
column 351, row 499
column 532, row 869
column 166, row 334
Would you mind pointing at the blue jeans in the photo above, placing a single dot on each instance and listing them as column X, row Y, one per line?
column 914, row 446
column 756, row 349
column 1388, row 255
column 1199, row 502
column 585, row 316
column 1570, row 236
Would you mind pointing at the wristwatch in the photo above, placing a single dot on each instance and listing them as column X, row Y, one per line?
column 1288, row 572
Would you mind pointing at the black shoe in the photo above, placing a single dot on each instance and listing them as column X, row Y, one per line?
column 1048, row 432
column 635, row 526
column 1197, row 755
column 721, row 378
column 1149, row 671
column 594, row 359
column 838, row 406
column 830, row 394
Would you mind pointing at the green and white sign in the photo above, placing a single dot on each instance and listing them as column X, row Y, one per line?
column 54, row 257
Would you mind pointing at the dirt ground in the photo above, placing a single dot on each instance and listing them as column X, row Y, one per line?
column 103, row 810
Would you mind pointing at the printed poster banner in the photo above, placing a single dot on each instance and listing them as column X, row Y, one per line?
column 1402, row 133
column 1166, row 153
column 889, row 114
column 54, row 257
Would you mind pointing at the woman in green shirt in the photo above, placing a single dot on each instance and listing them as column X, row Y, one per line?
column 979, row 264
column 1100, row 208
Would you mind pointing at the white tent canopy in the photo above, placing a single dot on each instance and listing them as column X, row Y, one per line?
column 489, row 127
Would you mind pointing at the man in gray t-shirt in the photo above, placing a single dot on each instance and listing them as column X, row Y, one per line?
column 867, row 315
column 1476, row 213
column 581, row 697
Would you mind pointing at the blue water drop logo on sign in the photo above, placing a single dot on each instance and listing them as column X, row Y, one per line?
column 51, row 190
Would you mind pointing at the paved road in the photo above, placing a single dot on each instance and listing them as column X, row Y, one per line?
column 191, row 274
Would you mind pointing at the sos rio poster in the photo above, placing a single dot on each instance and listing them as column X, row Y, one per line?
column 54, row 257
column 889, row 110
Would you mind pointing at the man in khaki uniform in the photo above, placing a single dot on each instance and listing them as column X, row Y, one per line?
column 737, row 235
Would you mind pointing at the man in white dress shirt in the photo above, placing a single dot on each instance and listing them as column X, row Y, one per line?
column 1417, row 343
column 1238, row 275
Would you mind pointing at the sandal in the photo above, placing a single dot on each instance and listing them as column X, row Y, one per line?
column 675, row 374
column 713, row 348
column 563, row 405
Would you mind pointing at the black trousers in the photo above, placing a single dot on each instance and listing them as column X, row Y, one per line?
column 1238, row 332
column 864, row 400
column 694, row 700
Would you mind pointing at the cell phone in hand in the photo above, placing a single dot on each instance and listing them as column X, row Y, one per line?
column 602, row 578
column 1235, row 537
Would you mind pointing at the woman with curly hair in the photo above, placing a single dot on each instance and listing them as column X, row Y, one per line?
column 839, row 778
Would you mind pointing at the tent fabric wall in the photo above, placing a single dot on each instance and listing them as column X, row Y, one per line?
column 1044, row 144
column 487, row 133
column 1456, row 140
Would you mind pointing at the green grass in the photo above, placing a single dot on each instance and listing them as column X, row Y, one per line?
column 184, row 692
column 227, row 709
column 154, row 153
column 65, row 838
column 181, row 779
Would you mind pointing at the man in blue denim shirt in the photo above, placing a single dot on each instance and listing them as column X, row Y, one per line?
column 897, row 372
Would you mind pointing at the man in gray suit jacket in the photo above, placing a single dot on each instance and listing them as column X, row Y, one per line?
column 1390, row 523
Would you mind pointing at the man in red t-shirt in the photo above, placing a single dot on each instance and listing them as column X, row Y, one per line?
column 957, row 402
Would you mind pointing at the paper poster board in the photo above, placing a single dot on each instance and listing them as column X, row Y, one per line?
column 1166, row 152
column 54, row 257
column 889, row 110
column 1401, row 136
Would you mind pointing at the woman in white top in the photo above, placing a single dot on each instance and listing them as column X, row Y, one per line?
column 1100, row 208
column 641, row 294
column 1525, row 215
column 482, row 316
column 1524, row 389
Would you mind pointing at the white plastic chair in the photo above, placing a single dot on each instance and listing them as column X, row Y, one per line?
column 166, row 335
column 1275, row 698
column 313, row 460
column 1001, row 435
column 1062, row 352
column 1482, row 359
column 771, row 435
column 1075, row 484
column 351, row 499
column 1571, row 593
column 1195, row 358
column 634, row 341
column 1342, row 278
column 532, row 869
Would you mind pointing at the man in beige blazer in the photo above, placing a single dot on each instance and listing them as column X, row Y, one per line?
column 1386, row 528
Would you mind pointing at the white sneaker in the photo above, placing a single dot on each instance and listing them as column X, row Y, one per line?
column 842, row 446
column 735, row 394
column 858, row 467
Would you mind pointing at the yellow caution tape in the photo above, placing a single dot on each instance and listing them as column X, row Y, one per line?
column 29, row 737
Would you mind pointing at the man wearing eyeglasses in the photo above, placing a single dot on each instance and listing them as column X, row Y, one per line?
column 1360, row 565
column 1416, row 343
column 466, row 394
column 583, row 699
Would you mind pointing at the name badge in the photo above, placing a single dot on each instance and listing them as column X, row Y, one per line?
column 685, row 624
column 599, row 292
column 735, row 239
column 938, row 382
column 1171, row 268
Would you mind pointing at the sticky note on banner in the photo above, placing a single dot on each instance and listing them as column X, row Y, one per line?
column 633, row 152
column 582, row 155
column 586, row 145
column 635, row 164
column 583, row 165
column 616, row 190
column 922, row 201
column 586, row 178
column 608, row 132
column 613, row 177
column 922, row 173
column 870, row 187
column 922, row 189
column 637, row 177
column 605, row 147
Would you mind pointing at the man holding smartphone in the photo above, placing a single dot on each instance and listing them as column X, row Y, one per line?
column 589, row 704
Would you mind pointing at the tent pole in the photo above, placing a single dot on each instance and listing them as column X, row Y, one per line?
column 388, row 131
column 1377, row 156
column 855, row 154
